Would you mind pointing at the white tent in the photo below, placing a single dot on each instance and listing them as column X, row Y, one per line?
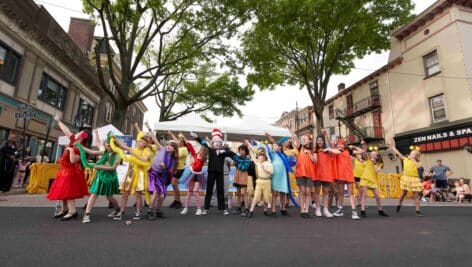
column 254, row 127
column 188, row 123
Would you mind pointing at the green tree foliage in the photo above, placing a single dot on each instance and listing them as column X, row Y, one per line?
column 305, row 42
column 157, row 41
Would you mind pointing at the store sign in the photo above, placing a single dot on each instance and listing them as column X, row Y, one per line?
column 26, row 112
column 466, row 131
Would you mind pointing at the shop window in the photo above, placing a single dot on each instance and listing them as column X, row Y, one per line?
column 431, row 64
column 438, row 108
column 9, row 63
column 51, row 92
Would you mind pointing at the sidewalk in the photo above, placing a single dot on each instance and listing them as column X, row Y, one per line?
column 39, row 200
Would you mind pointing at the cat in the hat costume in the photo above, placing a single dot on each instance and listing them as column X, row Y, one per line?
column 216, row 159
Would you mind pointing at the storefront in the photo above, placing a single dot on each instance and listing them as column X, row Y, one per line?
column 446, row 143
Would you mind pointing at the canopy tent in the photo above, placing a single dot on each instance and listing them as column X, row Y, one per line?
column 251, row 127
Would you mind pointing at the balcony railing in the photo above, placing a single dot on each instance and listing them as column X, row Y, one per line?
column 363, row 106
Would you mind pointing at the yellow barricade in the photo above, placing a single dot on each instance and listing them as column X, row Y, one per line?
column 389, row 185
column 40, row 175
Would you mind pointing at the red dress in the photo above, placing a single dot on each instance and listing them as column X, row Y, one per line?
column 345, row 171
column 324, row 167
column 70, row 180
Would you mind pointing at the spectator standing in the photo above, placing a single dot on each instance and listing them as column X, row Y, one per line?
column 8, row 160
column 440, row 175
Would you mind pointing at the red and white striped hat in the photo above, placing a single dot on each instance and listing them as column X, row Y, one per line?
column 216, row 134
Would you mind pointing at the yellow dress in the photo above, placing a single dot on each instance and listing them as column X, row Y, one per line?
column 369, row 176
column 359, row 167
column 410, row 181
column 293, row 181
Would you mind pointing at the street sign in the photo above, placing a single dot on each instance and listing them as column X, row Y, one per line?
column 25, row 115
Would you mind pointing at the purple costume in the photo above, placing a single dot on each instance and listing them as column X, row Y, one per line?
column 159, row 176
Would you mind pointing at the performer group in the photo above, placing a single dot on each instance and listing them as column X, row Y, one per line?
column 267, row 172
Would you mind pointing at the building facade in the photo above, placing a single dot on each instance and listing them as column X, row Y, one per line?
column 422, row 97
column 298, row 121
column 42, row 69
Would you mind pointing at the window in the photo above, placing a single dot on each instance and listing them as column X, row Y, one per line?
column 52, row 92
column 331, row 112
column 431, row 64
column 9, row 62
column 85, row 113
column 438, row 109
column 374, row 88
column 108, row 111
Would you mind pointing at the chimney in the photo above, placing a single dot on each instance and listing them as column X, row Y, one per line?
column 341, row 87
column 81, row 32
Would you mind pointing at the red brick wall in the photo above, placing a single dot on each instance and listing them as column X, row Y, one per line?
column 81, row 32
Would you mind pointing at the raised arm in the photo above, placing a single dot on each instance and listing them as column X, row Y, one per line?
column 62, row 126
column 92, row 152
column 200, row 140
column 136, row 126
column 392, row 146
column 327, row 139
column 98, row 141
column 295, row 141
column 356, row 150
column 270, row 138
column 173, row 136
column 109, row 168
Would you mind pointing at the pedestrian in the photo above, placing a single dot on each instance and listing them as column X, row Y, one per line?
column 8, row 161
column 183, row 154
column 440, row 174
column 70, row 183
column 216, row 160
column 197, row 178
column 136, row 180
column 22, row 167
column 410, row 180
column 160, row 176
column 265, row 170
column 105, row 182
column 369, row 180
column 242, row 162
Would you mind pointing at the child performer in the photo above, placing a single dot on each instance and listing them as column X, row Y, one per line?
column 280, row 178
column 23, row 165
column 324, row 175
column 216, row 156
column 263, row 184
column 242, row 162
column 410, row 180
column 180, row 168
column 160, row 175
column 136, row 180
column 70, row 181
column 358, row 170
column 106, row 179
column 305, row 173
column 369, row 180
column 197, row 178
column 345, row 176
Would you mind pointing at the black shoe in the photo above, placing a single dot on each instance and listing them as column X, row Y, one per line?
column 151, row 215
column 274, row 215
column 244, row 213
column 172, row 205
column 70, row 216
column 267, row 213
column 237, row 210
column 398, row 208
column 61, row 214
column 383, row 214
column 178, row 205
column 284, row 213
column 363, row 214
column 419, row 213
column 250, row 214
column 303, row 214
column 160, row 214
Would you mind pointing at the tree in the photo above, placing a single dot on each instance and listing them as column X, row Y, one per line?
column 176, row 30
column 305, row 42
column 201, row 91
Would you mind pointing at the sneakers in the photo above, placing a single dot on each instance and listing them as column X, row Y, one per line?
column 151, row 215
column 86, row 218
column 237, row 210
column 424, row 199
column 267, row 213
column 398, row 208
column 250, row 214
column 205, row 212
column 363, row 214
column 284, row 213
column 327, row 214
column 225, row 212
column 274, row 214
column 184, row 211
column 114, row 213
column 339, row 212
column 244, row 213
column 198, row 212
column 159, row 214
column 137, row 215
column 313, row 205
column 118, row 216
column 355, row 216
column 383, row 214
column 318, row 213
column 419, row 213
column 176, row 204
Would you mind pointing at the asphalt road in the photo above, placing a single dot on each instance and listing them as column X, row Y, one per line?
column 31, row 237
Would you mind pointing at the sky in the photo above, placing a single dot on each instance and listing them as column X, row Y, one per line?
column 266, row 105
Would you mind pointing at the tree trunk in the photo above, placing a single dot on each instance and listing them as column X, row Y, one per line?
column 119, row 116
column 319, row 118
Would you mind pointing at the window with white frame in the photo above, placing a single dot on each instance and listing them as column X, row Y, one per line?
column 431, row 64
column 438, row 108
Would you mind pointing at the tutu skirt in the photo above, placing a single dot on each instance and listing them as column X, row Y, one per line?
column 69, row 184
column 410, row 183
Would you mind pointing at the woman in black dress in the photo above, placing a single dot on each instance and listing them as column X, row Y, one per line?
column 8, row 157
